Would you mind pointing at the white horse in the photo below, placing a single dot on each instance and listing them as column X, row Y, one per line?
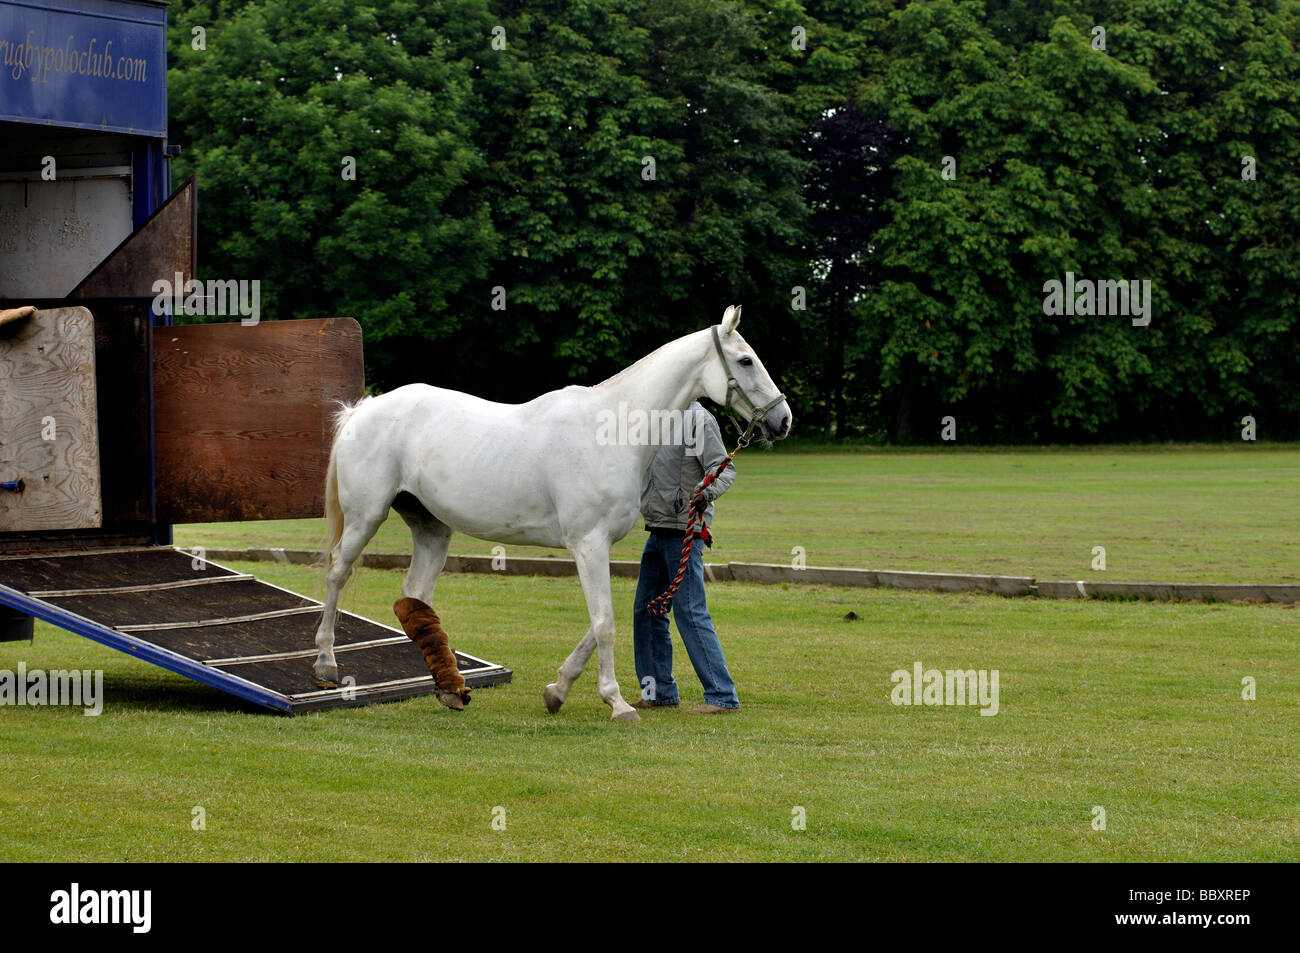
column 544, row 473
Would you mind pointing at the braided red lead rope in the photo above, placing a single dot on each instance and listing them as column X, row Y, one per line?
column 661, row 603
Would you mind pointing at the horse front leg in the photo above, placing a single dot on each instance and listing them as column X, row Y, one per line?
column 593, row 571
column 355, row 536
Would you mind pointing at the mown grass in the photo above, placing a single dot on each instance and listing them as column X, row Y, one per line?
column 1163, row 514
column 1133, row 707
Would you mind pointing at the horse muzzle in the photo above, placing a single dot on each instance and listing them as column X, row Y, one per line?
column 777, row 422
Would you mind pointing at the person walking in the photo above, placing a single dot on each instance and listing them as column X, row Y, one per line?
column 671, row 488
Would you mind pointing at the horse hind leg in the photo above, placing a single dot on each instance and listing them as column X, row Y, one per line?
column 430, row 542
column 357, row 531
column 555, row 693
column 430, row 539
column 424, row 628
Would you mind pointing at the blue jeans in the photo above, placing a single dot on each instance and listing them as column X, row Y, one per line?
column 652, row 642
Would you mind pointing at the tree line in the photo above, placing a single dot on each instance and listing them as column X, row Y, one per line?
column 514, row 196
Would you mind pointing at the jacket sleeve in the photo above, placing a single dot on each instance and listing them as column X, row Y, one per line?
column 712, row 452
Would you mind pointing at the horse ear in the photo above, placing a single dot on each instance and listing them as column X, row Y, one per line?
column 730, row 319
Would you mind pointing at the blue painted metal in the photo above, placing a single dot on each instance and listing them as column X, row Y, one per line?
column 147, row 651
column 151, row 179
column 85, row 64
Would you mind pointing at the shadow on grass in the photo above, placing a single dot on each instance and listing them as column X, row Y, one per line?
column 130, row 695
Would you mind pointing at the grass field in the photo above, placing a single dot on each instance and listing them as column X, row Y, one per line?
column 1135, row 708
column 1132, row 707
column 1163, row 514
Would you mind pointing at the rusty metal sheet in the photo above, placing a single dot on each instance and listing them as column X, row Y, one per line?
column 164, row 246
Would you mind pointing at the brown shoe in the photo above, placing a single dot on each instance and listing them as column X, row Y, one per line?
column 643, row 704
column 707, row 709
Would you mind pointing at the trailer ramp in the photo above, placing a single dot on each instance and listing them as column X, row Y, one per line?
column 226, row 629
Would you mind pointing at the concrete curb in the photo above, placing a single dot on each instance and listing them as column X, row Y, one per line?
column 776, row 574
column 873, row 578
column 1171, row 591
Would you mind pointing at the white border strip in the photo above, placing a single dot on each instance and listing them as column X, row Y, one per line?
column 150, row 587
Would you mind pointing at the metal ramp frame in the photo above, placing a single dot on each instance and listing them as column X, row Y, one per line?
column 230, row 630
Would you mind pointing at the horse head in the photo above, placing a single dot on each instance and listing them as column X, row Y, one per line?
column 735, row 378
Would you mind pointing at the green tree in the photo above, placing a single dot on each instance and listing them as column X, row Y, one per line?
column 641, row 178
column 272, row 113
column 504, row 145
column 1114, row 163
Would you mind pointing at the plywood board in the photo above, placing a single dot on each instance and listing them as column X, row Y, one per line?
column 243, row 416
column 49, row 438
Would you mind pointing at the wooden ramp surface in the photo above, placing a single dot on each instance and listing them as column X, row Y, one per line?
column 224, row 628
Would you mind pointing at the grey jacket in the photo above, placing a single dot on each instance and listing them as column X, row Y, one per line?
column 678, row 469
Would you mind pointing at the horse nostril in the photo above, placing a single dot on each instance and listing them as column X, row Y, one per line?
column 785, row 425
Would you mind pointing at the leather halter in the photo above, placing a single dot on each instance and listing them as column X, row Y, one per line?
column 734, row 408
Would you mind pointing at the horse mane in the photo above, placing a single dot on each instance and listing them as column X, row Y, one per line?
column 627, row 371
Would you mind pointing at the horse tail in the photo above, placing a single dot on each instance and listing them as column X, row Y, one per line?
column 333, row 511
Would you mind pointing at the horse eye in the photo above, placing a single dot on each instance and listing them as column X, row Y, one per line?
column 746, row 362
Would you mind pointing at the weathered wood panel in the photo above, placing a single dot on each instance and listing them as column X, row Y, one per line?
column 49, row 438
column 243, row 416
column 52, row 233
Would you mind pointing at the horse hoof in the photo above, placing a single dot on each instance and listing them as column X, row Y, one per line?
column 553, row 698
column 452, row 700
column 327, row 676
column 629, row 715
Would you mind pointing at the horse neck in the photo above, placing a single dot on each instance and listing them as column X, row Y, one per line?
column 665, row 380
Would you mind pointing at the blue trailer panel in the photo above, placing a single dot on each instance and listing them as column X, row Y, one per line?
column 85, row 64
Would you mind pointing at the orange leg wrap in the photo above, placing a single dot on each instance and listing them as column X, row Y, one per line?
column 423, row 627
